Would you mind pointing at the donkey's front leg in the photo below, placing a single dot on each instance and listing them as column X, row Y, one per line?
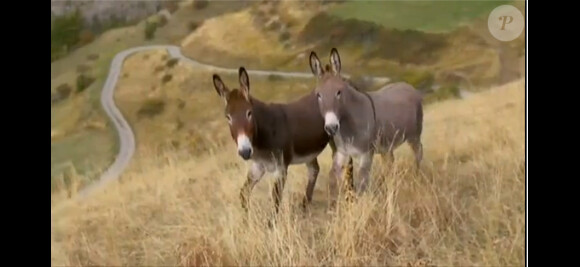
column 348, row 172
column 255, row 173
column 335, row 175
column 364, row 170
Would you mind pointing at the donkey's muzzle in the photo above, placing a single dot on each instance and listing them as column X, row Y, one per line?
column 331, row 129
column 245, row 153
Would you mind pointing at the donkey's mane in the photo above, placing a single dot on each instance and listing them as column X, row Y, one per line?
column 348, row 81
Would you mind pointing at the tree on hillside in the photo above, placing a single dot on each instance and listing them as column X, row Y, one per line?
column 96, row 24
column 64, row 33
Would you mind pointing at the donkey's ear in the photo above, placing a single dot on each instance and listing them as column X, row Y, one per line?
column 244, row 82
column 334, row 61
column 315, row 65
column 220, row 88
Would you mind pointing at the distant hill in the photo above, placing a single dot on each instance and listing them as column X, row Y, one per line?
column 100, row 11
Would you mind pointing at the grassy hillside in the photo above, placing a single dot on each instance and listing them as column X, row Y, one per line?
column 451, row 46
column 178, row 208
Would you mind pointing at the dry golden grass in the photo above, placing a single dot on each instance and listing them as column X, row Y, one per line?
column 465, row 209
column 234, row 33
column 234, row 38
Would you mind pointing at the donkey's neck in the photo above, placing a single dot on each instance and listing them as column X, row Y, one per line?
column 268, row 120
column 357, row 114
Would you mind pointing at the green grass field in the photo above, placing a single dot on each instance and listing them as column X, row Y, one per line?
column 427, row 16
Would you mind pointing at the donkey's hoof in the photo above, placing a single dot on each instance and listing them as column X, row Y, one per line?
column 305, row 205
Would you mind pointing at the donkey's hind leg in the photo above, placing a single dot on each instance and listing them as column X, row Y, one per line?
column 417, row 148
column 388, row 160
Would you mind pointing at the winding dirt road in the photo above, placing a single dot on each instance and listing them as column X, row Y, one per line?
column 126, row 136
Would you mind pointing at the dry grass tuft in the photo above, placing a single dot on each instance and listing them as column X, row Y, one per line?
column 466, row 208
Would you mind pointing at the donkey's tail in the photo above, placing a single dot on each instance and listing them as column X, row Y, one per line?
column 419, row 118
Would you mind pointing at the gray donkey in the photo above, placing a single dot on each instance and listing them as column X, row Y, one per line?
column 363, row 124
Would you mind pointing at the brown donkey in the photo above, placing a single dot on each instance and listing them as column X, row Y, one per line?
column 363, row 124
column 274, row 136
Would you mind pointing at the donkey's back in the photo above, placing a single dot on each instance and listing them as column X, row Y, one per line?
column 399, row 113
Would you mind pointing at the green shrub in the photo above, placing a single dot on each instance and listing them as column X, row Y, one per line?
column 158, row 69
column 162, row 20
column 443, row 93
column 166, row 78
column 151, row 108
column 82, row 68
column 83, row 82
column 93, row 57
column 170, row 63
column 150, row 28
column 64, row 90
column 193, row 25
column 421, row 80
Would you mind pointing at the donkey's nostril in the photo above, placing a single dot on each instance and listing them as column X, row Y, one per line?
column 245, row 153
column 331, row 129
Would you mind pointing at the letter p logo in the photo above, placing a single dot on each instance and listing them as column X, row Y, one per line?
column 505, row 23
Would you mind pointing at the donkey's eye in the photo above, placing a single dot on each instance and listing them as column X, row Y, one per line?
column 338, row 94
column 318, row 96
column 249, row 114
